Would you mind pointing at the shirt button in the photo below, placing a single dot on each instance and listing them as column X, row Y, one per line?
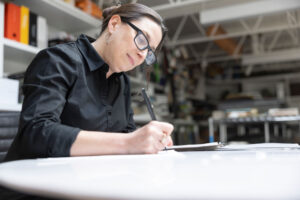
column 109, row 112
column 49, row 152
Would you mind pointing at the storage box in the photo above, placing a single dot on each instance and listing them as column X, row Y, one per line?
column 89, row 7
column 276, row 112
column 9, row 90
column 71, row 2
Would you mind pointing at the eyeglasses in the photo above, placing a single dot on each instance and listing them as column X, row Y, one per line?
column 142, row 43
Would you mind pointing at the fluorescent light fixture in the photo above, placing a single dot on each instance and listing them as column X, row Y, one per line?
column 272, row 57
column 246, row 10
column 179, row 8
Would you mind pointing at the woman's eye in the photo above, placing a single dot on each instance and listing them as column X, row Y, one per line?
column 141, row 40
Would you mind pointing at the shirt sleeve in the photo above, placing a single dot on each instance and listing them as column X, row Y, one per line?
column 47, row 81
column 131, row 124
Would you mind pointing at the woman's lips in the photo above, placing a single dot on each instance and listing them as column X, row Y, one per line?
column 130, row 59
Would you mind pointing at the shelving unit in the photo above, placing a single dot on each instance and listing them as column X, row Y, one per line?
column 270, row 82
column 74, row 20
column 15, row 56
column 137, row 81
column 193, row 97
column 142, row 118
column 293, row 98
column 12, row 47
column 266, row 120
column 61, row 15
column 143, row 83
column 18, row 52
column 254, row 79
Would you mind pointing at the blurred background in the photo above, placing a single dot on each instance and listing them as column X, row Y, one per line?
column 229, row 70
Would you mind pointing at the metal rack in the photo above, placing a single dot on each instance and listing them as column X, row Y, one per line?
column 266, row 120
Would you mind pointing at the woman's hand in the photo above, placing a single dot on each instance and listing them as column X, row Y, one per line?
column 151, row 138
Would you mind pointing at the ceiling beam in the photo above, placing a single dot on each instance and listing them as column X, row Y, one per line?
column 198, row 25
column 213, row 59
column 278, row 56
column 274, row 41
column 179, row 28
column 272, row 57
column 179, row 8
column 231, row 35
column 246, row 10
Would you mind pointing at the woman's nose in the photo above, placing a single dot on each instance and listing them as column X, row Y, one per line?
column 142, row 53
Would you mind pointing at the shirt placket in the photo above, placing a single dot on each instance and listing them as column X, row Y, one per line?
column 109, row 116
column 107, row 106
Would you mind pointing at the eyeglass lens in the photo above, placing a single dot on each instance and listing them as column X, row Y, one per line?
column 142, row 44
column 150, row 58
column 141, row 41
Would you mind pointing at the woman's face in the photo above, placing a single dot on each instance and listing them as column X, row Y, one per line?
column 124, row 54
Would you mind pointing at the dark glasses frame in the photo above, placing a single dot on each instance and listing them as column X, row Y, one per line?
column 150, row 51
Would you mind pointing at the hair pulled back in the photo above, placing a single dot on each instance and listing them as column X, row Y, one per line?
column 131, row 12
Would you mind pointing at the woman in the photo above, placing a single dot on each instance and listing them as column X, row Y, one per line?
column 77, row 98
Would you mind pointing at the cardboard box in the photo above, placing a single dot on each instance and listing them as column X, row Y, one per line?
column 89, row 7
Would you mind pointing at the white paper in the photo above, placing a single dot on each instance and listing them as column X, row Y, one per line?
column 195, row 147
column 262, row 146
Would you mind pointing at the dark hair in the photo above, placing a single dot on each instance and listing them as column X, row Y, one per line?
column 133, row 11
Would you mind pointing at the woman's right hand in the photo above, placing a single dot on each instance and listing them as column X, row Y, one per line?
column 151, row 138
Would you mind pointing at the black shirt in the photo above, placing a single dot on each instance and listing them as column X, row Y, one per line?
column 66, row 90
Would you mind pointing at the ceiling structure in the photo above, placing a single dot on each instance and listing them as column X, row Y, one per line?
column 259, row 35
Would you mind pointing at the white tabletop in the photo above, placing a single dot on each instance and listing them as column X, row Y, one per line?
column 237, row 174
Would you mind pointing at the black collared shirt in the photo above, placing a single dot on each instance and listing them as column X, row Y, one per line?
column 66, row 90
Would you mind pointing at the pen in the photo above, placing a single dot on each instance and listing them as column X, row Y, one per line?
column 148, row 103
column 149, row 107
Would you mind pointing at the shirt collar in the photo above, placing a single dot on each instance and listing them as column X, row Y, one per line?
column 89, row 53
column 91, row 56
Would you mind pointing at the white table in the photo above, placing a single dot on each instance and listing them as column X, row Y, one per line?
column 239, row 174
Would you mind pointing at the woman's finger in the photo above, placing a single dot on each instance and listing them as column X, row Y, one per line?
column 164, row 126
column 170, row 141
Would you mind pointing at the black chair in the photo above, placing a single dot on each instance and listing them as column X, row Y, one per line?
column 9, row 122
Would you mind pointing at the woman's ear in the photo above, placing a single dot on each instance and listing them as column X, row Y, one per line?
column 114, row 23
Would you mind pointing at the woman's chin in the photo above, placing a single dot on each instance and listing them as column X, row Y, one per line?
column 123, row 68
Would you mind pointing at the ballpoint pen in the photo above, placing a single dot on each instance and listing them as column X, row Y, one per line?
column 150, row 108
column 148, row 104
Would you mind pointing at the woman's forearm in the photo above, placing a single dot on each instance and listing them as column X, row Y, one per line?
column 151, row 138
column 90, row 143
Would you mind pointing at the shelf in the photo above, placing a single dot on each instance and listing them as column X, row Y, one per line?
column 10, row 107
column 184, row 122
column 293, row 98
column 193, row 97
column 225, row 82
column 261, row 103
column 158, row 87
column 74, row 20
column 141, row 82
column 137, row 81
column 142, row 118
column 268, row 78
column 256, row 119
column 18, row 53
column 13, row 48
